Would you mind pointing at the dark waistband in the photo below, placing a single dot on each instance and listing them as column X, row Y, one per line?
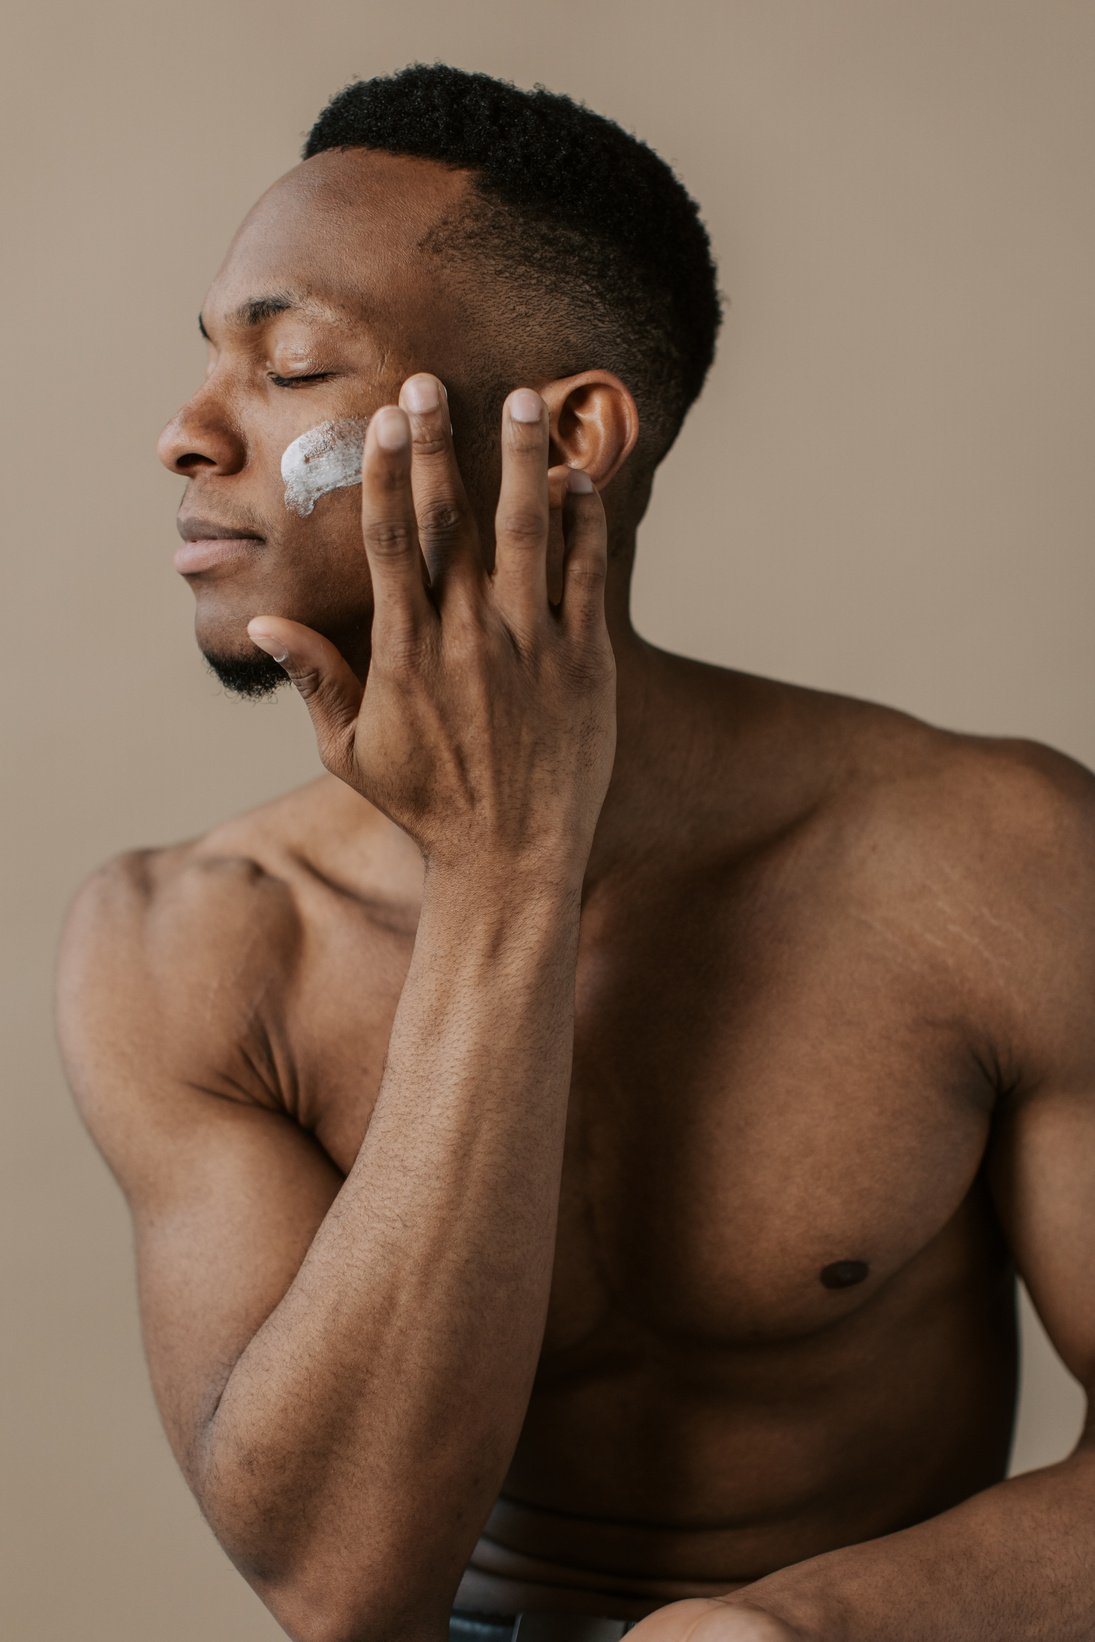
column 468, row 1626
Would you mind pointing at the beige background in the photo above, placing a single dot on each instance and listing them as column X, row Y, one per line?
column 888, row 489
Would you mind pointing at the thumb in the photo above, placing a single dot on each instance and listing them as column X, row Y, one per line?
column 326, row 682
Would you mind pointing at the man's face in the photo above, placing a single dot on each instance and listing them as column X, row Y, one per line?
column 337, row 235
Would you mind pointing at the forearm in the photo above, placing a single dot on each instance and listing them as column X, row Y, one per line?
column 366, row 1429
column 1016, row 1560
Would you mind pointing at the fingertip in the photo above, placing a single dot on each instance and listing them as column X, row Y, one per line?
column 266, row 639
column 421, row 393
column 392, row 429
column 524, row 405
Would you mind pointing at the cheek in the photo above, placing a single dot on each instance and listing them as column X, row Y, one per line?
column 324, row 458
column 320, row 564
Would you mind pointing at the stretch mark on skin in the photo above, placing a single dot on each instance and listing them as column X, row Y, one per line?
column 326, row 457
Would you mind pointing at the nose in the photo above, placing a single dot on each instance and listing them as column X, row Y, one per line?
column 201, row 435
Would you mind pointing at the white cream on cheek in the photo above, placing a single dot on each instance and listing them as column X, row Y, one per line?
column 326, row 457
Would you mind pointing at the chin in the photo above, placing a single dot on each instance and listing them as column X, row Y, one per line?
column 252, row 674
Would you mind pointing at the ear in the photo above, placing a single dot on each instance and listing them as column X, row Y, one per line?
column 593, row 422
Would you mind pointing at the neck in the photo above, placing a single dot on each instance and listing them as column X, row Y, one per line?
column 651, row 733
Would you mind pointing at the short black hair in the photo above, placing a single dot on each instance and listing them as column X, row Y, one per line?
column 603, row 250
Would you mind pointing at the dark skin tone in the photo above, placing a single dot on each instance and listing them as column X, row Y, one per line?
column 827, row 1081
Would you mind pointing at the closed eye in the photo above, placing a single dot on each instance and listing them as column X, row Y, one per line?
column 296, row 381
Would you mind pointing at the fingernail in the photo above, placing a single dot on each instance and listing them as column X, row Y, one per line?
column 420, row 394
column 525, row 406
column 266, row 641
column 578, row 479
column 392, row 429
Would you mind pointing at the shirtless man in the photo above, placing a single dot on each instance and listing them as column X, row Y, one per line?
column 580, row 1146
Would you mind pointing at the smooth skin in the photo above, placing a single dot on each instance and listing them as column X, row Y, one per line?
column 581, row 1146
column 486, row 732
column 487, row 728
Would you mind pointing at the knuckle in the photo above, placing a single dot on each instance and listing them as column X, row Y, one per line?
column 588, row 574
column 522, row 524
column 439, row 520
column 387, row 537
column 308, row 682
column 430, row 443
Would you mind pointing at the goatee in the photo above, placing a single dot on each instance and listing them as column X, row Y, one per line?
column 255, row 677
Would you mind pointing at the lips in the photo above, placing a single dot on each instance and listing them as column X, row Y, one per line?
column 194, row 528
column 205, row 553
column 207, row 543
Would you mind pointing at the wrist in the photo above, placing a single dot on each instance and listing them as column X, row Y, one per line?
column 484, row 923
column 482, row 879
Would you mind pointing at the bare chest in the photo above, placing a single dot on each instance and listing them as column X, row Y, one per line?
column 766, row 1122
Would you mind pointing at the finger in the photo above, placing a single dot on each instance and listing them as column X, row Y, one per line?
column 402, row 612
column 521, row 521
column 585, row 569
column 556, row 539
column 446, row 531
column 330, row 689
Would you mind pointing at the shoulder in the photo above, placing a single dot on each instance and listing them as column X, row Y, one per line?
column 1018, row 821
column 1013, row 816
column 1033, row 869
column 167, row 958
column 233, row 885
column 910, row 789
column 872, row 792
column 173, row 906
column 977, row 855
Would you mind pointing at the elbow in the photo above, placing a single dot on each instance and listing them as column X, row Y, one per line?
column 371, row 1631
column 335, row 1628
column 324, row 1593
column 311, row 1613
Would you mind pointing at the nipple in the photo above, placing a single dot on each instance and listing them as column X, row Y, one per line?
column 843, row 1273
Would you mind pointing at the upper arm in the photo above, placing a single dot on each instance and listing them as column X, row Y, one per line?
column 156, row 997
column 1041, row 1160
column 1041, row 1169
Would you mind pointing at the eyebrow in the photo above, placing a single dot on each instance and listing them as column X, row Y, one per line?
column 258, row 309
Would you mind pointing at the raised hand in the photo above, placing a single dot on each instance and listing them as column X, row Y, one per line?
column 488, row 718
